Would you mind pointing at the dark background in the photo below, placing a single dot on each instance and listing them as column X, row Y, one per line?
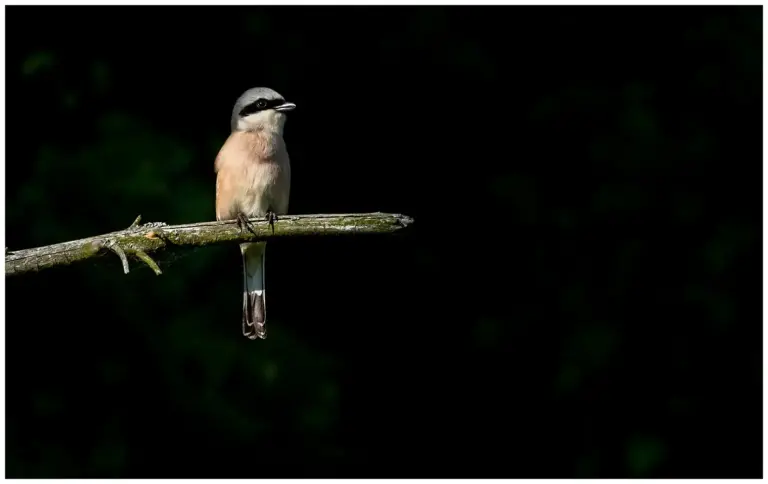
column 578, row 297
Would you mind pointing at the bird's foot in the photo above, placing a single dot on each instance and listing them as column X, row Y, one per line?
column 271, row 217
column 243, row 224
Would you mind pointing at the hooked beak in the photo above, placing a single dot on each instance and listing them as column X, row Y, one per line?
column 285, row 107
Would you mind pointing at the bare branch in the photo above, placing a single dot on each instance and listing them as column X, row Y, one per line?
column 141, row 240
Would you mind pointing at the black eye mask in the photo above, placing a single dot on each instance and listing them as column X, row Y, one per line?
column 260, row 105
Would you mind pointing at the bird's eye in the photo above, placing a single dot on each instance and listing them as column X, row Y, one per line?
column 261, row 104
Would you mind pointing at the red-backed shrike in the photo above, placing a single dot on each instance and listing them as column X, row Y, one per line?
column 253, row 179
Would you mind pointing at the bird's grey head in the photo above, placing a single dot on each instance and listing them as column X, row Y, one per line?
column 260, row 108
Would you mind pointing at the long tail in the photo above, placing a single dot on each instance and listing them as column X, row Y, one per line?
column 254, row 303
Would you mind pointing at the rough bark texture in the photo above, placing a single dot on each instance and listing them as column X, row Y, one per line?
column 138, row 241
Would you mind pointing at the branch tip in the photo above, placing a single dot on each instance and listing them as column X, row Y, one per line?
column 114, row 247
column 148, row 260
column 135, row 222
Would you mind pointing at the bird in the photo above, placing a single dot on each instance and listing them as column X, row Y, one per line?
column 253, row 179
